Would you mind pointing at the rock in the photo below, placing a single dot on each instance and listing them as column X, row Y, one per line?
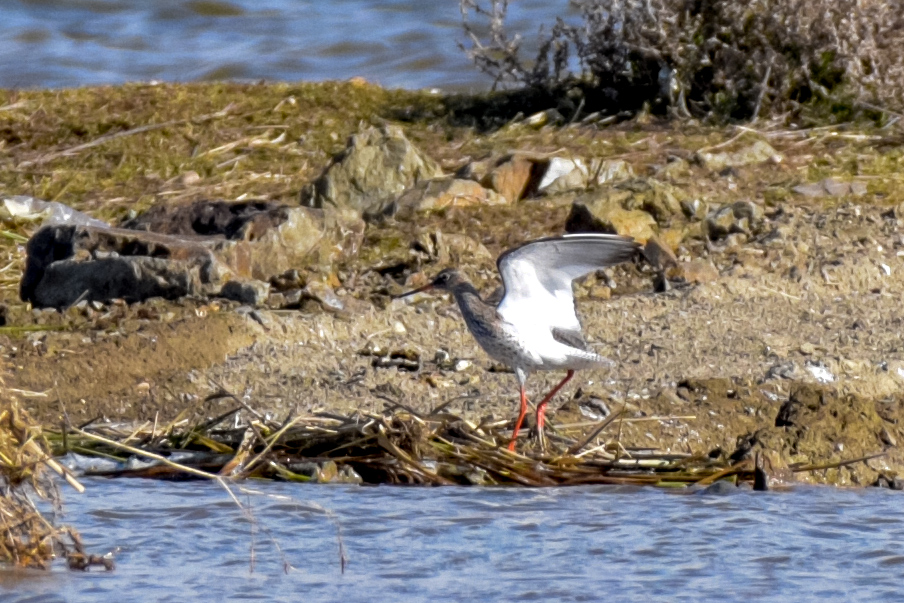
column 251, row 292
column 519, row 175
column 695, row 271
column 720, row 222
column 659, row 255
column 548, row 117
column 323, row 293
column 634, row 208
column 512, row 177
column 479, row 169
column 830, row 188
column 443, row 193
column 259, row 239
column 600, row 292
column 277, row 300
column 782, row 370
column 743, row 217
column 672, row 238
column 189, row 178
column 67, row 264
column 890, row 482
column 65, row 282
column 376, row 167
column 675, row 169
column 820, row 371
column 294, row 298
column 807, row 348
column 562, row 175
column 758, row 152
column 657, row 198
column 303, row 237
column 694, row 209
column 735, row 240
column 242, row 220
column 609, row 217
column 288, row 280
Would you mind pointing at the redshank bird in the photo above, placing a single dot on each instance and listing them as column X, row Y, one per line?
column 535, row 326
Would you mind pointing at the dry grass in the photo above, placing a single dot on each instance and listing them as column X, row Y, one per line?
column 107, row 150
column 27, row 537
column 398, row 446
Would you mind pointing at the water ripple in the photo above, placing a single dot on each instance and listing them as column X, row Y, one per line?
column 406, row 43
column 184, row 541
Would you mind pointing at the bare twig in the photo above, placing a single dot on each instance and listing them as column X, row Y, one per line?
column 131, row 132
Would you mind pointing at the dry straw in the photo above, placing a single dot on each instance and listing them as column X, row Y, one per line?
column 27, row 537
column 398, row 446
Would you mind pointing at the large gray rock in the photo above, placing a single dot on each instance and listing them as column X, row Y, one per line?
column 377, row 166
column 258, row 239
column 67, row 264
column 207, row 248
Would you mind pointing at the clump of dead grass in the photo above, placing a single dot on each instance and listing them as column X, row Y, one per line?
column 397, row 446
column 28, row 538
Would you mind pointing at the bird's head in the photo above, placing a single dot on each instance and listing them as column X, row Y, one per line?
column 444, row 281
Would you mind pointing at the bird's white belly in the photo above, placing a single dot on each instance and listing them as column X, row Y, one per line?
column 533, row 349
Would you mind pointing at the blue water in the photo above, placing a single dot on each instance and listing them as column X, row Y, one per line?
column 189, row 542
column 397, row 43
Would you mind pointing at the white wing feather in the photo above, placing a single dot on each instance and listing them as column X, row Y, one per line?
column 538, row 276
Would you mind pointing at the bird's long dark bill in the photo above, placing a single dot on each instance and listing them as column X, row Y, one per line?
column 418, row 290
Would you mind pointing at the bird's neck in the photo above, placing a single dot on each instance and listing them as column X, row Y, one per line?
column 464, row 290
column 468, row 298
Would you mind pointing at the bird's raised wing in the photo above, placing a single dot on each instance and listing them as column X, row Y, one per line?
column 538, row 275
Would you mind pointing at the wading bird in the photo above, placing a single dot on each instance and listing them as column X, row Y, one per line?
column 535, row 327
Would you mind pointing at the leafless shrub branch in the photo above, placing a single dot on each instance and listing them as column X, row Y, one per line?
column 708, row 58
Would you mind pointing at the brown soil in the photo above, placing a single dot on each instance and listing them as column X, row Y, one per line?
column 119, row 373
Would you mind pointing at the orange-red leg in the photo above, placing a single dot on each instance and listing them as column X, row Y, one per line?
column 520, row 420
column 541, row 407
